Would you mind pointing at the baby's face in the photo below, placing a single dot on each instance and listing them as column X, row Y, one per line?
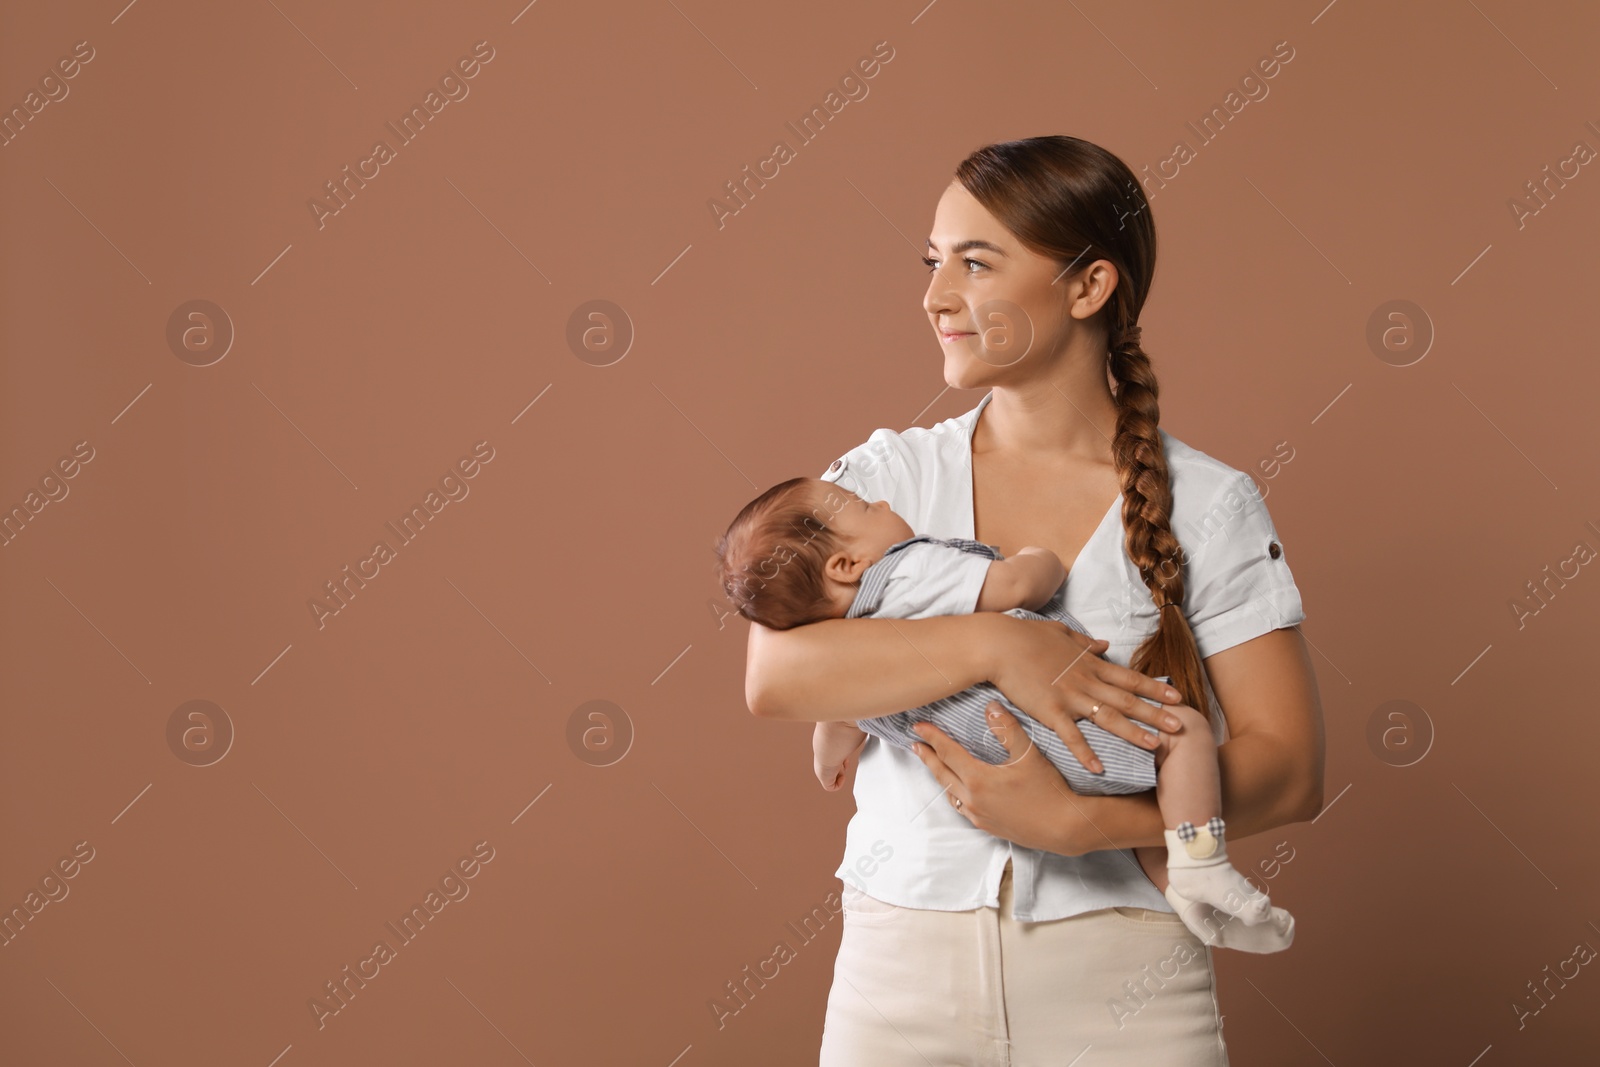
column 869, row 528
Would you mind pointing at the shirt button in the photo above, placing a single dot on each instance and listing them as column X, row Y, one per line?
column 836, row 464
column 1274, row 550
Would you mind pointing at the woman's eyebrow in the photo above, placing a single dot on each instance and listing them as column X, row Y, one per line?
column 970, row 243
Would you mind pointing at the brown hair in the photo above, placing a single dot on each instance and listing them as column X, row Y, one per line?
column 771, row 558
column 1076, row 202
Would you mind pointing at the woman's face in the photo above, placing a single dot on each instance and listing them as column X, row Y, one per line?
column 1001, row 312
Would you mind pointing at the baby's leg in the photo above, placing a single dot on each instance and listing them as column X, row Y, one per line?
column 1189, row 790
column 1188, row 782
column 1188, row 786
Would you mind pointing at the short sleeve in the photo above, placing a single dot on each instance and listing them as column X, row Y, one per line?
column 839, row 473
column 934, row 579
column 1239, row 583
column 879, row 469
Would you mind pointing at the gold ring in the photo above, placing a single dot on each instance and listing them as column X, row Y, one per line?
column 1093, row 712
column 957, row 802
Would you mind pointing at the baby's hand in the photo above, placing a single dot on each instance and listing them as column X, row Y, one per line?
column 1029, row 579
column 832, row 745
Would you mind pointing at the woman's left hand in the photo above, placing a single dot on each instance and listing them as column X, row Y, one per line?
column 1024, row 800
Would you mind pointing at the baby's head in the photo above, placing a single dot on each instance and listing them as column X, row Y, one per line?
column 795, row 554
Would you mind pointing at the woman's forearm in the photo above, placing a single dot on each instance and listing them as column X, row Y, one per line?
column 1259, row 792
column 840, row 669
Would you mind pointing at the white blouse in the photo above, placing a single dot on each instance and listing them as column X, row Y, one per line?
column 906, row 844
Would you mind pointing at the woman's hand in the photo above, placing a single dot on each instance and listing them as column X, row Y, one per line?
column 1056, row 675
column 1024, row 800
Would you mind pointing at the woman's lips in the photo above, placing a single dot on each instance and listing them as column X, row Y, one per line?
column 947, row 336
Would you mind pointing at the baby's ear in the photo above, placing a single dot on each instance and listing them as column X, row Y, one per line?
column 842, row 568
column 837, row 567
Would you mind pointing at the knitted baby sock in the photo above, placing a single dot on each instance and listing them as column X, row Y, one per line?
column 1218, row 929
column 1198, row 868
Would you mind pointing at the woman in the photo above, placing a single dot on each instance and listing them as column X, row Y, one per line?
column 1011, row 924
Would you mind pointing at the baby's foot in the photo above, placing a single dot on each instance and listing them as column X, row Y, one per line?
column 1224, row 888
column 1218, row 929
column 1198, row 868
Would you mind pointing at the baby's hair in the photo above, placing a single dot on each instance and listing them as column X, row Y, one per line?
column 770, row 561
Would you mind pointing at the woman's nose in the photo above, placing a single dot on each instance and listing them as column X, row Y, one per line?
column 939, row 299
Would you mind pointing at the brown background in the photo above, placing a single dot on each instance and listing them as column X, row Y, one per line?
column 372, row 353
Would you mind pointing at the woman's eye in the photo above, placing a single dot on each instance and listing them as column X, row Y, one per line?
column 933, row 264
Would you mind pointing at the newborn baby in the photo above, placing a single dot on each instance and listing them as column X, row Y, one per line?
column 808, row 550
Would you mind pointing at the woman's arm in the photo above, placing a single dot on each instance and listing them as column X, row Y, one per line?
column 1272, row 763
column 848, row 669
column 841, row 669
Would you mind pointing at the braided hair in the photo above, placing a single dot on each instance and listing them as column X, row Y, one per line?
column 1076, row 202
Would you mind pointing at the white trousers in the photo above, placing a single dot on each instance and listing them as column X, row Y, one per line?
column 1117, row 986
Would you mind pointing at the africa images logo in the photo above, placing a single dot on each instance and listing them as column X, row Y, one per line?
column 452, row 84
